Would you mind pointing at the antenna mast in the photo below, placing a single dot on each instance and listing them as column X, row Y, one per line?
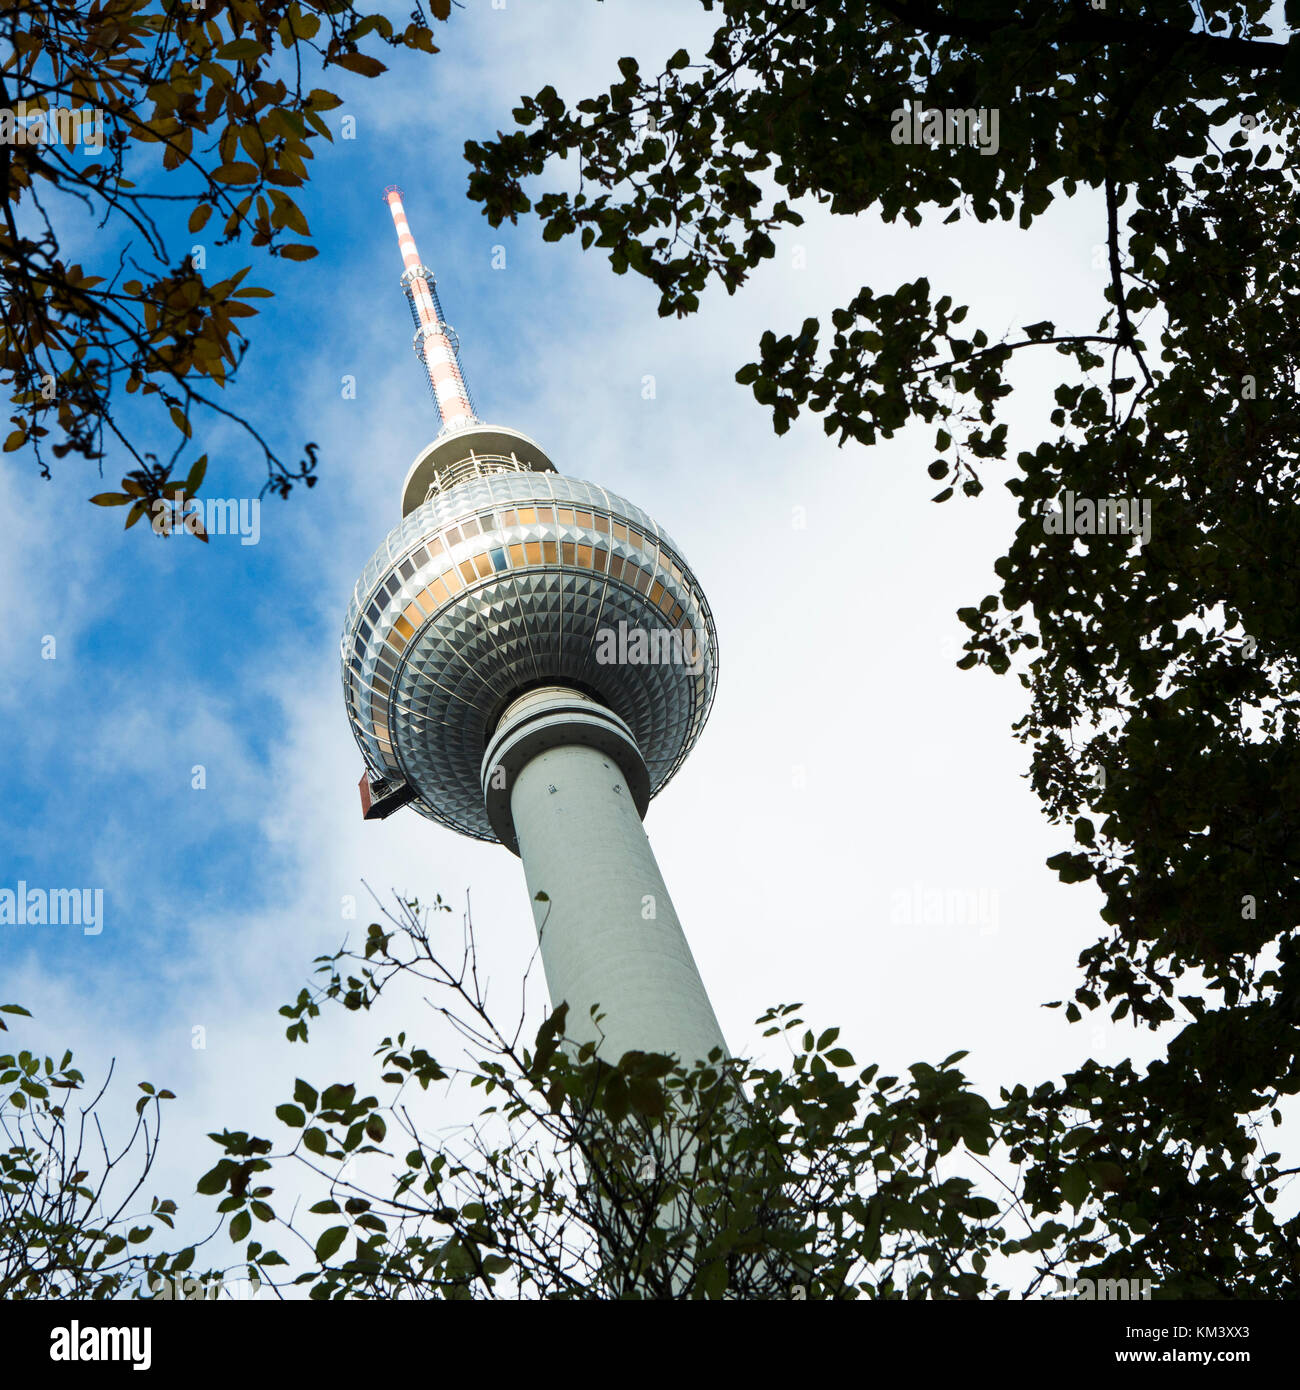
column 435, row 344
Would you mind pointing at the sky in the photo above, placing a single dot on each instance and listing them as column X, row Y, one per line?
column 848, row 769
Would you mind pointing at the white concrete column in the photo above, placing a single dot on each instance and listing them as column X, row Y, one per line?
column 609, row 934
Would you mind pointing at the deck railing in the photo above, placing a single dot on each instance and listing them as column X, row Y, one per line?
column 475, row 466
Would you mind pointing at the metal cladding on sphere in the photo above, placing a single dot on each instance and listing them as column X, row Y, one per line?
column 505, row 582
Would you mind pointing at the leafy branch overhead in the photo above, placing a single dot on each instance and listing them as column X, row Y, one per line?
column 207, row 117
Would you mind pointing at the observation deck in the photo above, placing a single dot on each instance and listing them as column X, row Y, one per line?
column 505, row 576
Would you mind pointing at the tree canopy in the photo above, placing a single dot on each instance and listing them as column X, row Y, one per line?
column 151, row 118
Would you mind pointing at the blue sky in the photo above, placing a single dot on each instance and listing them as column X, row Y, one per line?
column 847, row 768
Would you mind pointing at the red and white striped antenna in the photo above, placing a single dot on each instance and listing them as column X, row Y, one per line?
column 436, row 343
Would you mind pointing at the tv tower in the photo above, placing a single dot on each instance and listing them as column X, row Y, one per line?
column 528, row 658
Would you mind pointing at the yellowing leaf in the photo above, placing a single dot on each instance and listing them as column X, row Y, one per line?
column 236, row 173
column 241, row 49
column 362, row 63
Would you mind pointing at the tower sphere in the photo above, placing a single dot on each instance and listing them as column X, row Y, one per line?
column 505, row 577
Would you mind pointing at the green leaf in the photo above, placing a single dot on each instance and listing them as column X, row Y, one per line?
column 330, row 1241
column 195, row 476
column 1074, row 1185
column 214, row 1180
column 291, row 1115
column 713, row 1281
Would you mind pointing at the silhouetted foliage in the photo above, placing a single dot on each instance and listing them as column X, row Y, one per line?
column 72, row 1217
column 1163, row 710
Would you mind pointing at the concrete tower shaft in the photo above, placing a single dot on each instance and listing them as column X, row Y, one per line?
column 566, row 781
